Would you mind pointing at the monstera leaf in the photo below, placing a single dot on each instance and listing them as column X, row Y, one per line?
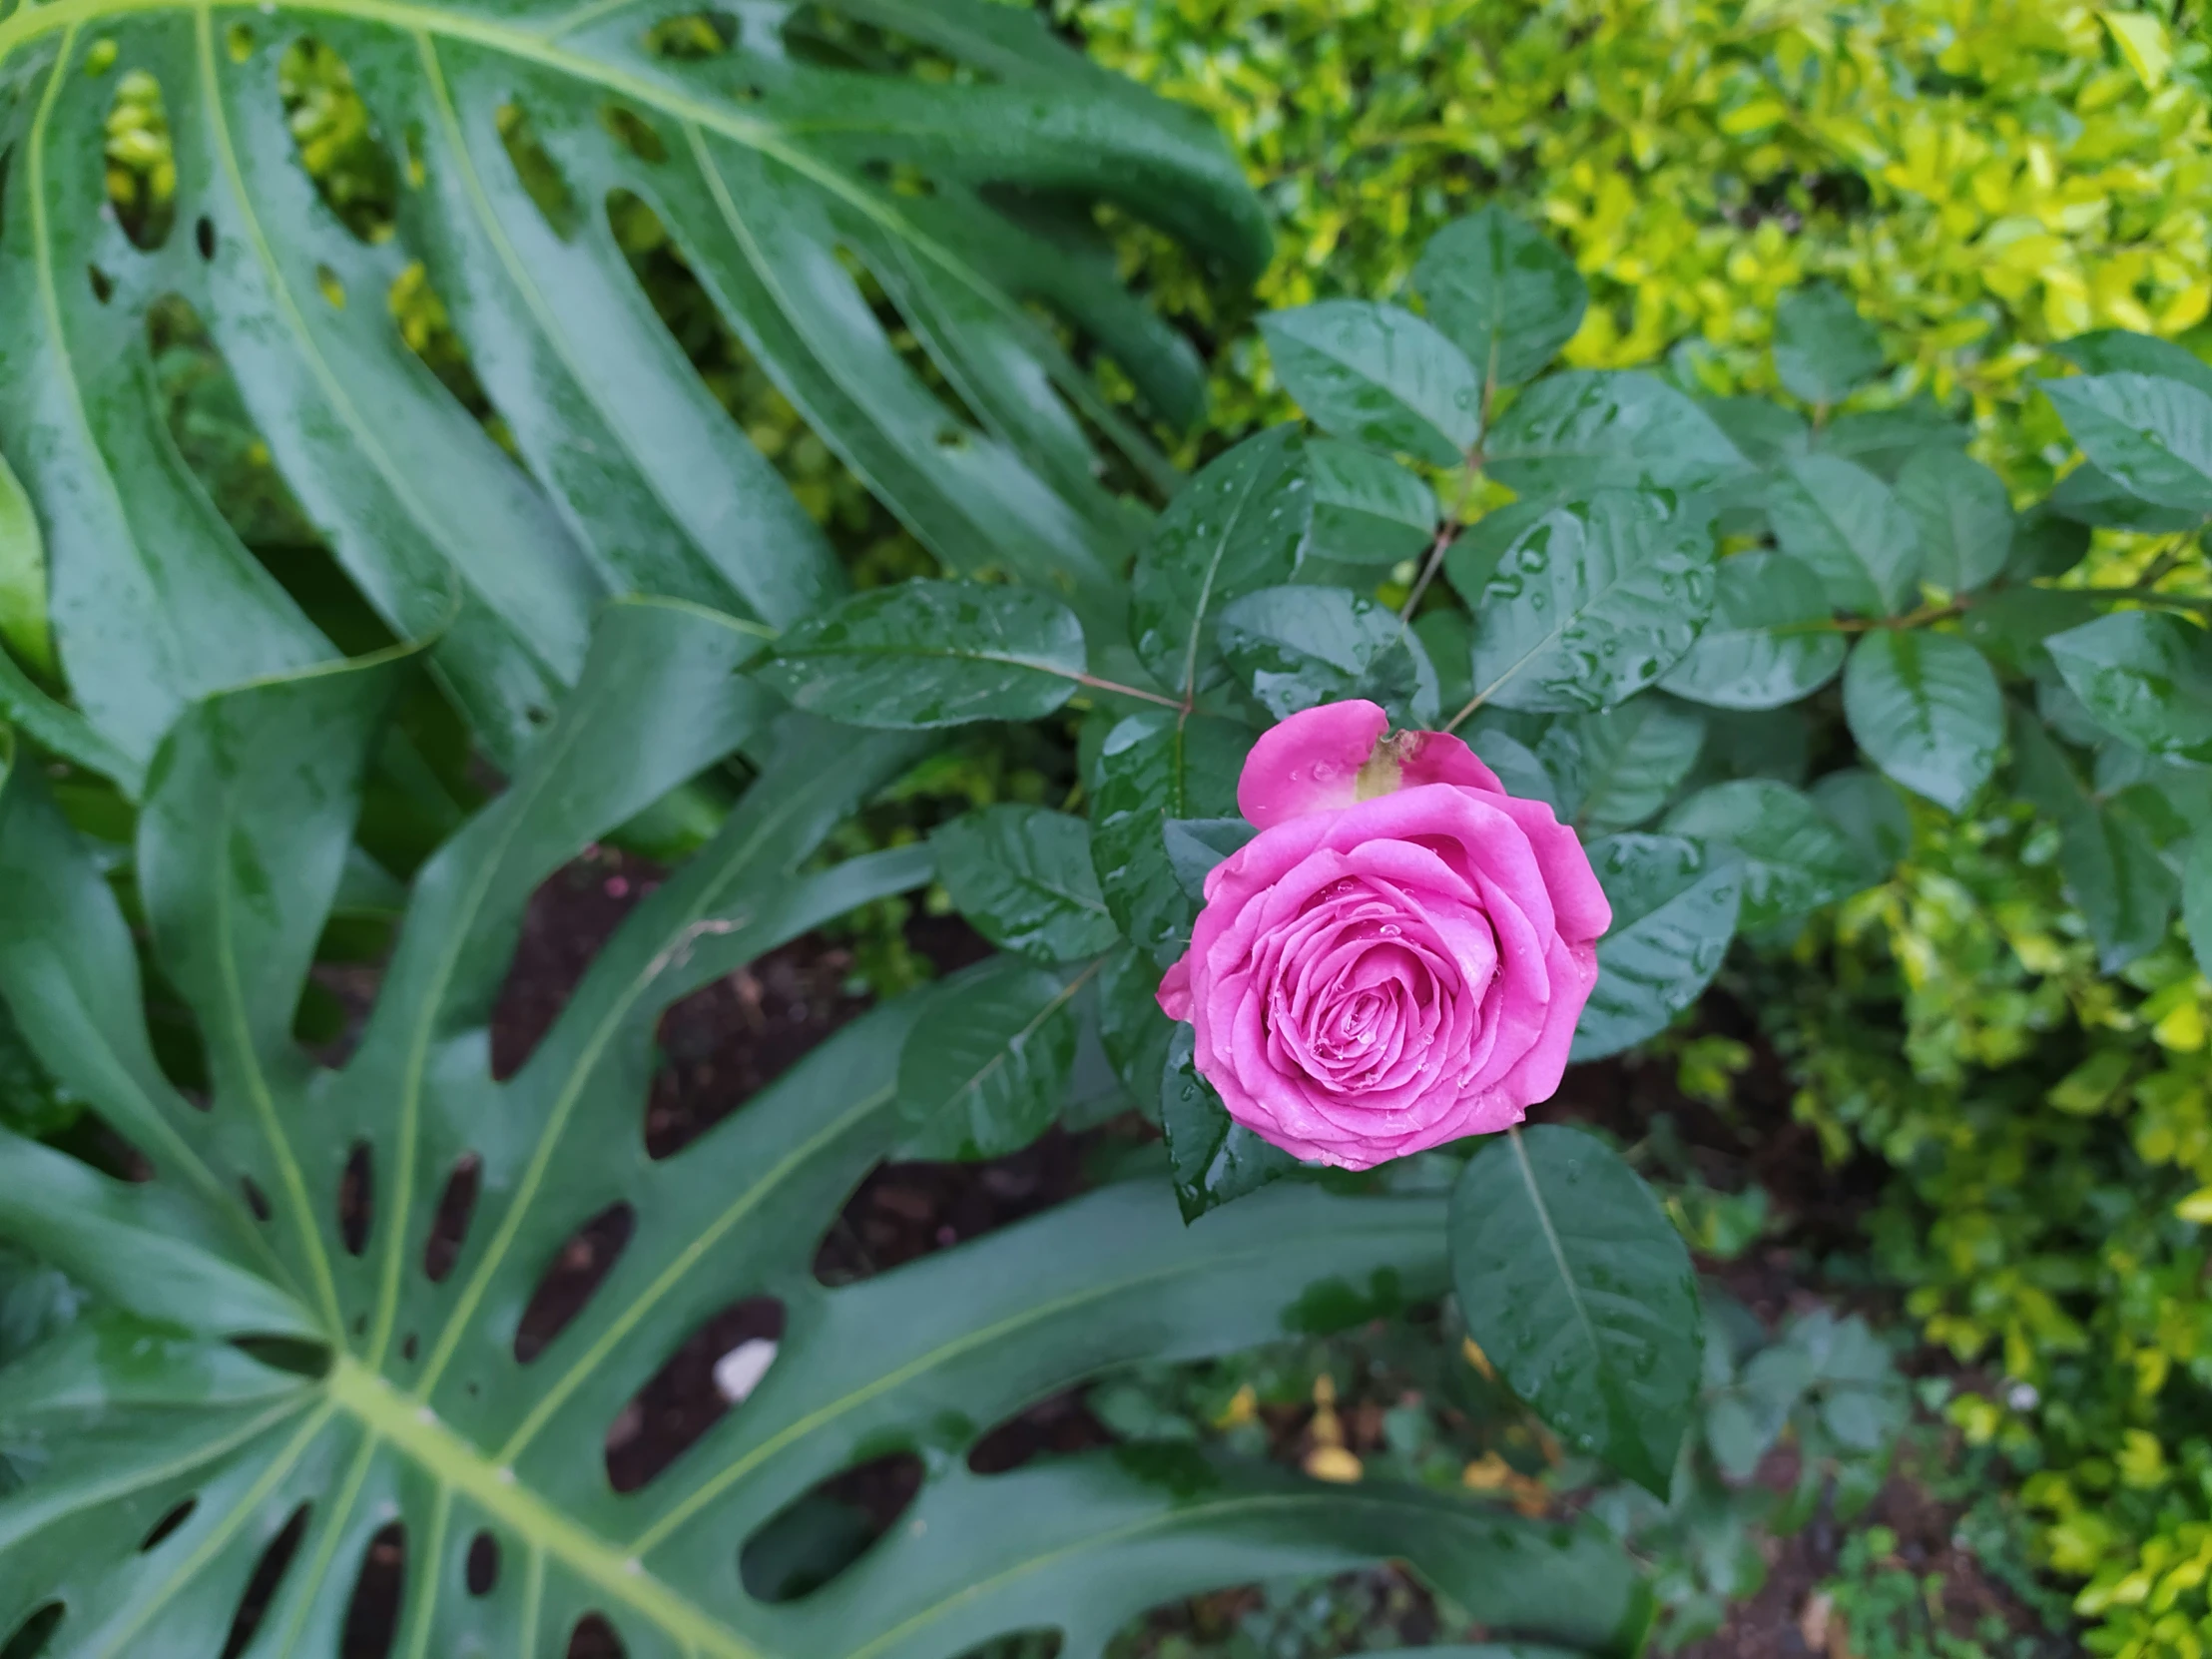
column 940, row 156
column 263, row 1358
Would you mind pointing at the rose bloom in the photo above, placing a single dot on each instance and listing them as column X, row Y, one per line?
column 1399, row 958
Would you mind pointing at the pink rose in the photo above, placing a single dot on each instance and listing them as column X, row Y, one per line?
column 1399, row 958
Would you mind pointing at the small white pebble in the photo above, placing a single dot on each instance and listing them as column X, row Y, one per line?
column 739, row 1373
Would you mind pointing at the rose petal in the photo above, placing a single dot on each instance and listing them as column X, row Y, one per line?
column 1175, row 989
column 1440, row 757
column 1310, row 763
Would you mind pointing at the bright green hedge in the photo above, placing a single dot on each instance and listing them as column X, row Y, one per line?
column 1982, row 175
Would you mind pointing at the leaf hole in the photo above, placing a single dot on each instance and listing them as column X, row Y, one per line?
column 328, row 284
column 203, row 238
column 1022, row 1644
column 819, row 1535
column 103, row 285
column 634, row 133
column 595, row 1638
column 168, row 1524
column 300, row 1358
column 537, row 172
column 213, row 430
column 908, row 340
column 1056, row 1428
column 335, row 141
column 568, row 921
column 32, row 1635
column 871, row 539
column 407, row 1348
column 727, row 1041
column 426, row 327
column 483, row 1565
column 373, row 1615
column 817, row 34
column 900, row 178
column 255, row 1200
column 267, row 1577
column 904, row 1212
column 719, row 1367
column 358, row 1197
column 450, row 1224
column 141, row 162
column 577, row 1271
column 690, row 37
column 237, row 40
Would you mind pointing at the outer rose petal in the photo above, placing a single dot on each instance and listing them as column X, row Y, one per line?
column 1440, row 757
column 1175, row 990
column 1310, row 763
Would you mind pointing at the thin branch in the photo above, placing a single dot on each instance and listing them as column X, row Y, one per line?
column 1120, row 690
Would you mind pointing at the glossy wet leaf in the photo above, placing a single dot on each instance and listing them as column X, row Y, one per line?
column 1593, row 602
column 2146, row 676
column 2012, row 625
column 1155, row 768
column 2091, row 496
column 1824, row 351
column 1926, row 709
column 1884, row 440
column 2151, row 435
column 769, row 169
column 1214, row 1159
column 1868, row 810
column 1963, row 514
column 1616, row 769
column 1767, row 642
column 2117, row 350
column 1377, row 376
column 1587, row 429
column 985, row 1069
column 2046, row 544
column 1022, row 877
column 1675, row 904
column 1500, row 288
column 1296, row 647
column 1241, row 524
column 927, row 653
column 1519, row 768
column 2196, row 898
column 1580, row 1292
column 1197, row 845
column 1131, row 1027
column 1847, row 527
column 419, row 1411
column 1769, row 433
column 1794, row 858
column 1368, row 509
column 2113, row 872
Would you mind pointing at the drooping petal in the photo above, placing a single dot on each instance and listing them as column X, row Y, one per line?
column 1310, row 763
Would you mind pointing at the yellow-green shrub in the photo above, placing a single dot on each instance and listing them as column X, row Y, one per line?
column 1982, row 174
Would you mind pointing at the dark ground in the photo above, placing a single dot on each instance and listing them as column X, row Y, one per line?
column 734, row 1037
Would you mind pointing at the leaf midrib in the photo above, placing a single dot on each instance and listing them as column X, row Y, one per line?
column 415, row 1433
